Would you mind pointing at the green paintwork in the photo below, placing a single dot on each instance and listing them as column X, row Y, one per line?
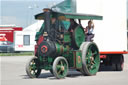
column 63, row 16
column 83, row 16
column 39, row 33
column 61, row 73
column 50, row 59
column 64, row 50
column 67, row 38
column 37, row 36
column 70, row 57
column 79, row 36
column 64, row 45
column 48, row 67
column 78, row 59
column 60, row 49
column 40, row 58
column 68, row 6
column 92, row 59
column 66, row 24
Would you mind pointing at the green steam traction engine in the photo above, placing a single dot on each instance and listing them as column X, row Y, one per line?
column 61, row 46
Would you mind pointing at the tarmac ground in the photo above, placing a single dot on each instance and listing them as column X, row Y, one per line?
column 13, row 73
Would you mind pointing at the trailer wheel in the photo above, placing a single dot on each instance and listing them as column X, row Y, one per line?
column 117, row 62
column 32, row 68
column 90, row 59
column 60, row 67
column 119, row 67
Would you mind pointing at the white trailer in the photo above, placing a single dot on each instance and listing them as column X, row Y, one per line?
column 111, row 32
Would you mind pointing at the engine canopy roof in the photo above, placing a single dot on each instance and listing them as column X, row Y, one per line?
column 63, row 16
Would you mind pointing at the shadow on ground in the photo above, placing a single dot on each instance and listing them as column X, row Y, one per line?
column 71, row 74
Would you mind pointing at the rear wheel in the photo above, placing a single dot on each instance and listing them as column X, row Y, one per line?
column 60, row 67
column 90, row 58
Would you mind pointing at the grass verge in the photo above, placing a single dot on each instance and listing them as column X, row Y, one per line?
column 18, row 54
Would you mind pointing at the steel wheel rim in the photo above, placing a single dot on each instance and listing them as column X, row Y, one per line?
column 92, row 59
column 61, row 68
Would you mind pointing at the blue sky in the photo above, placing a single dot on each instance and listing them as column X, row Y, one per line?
column 21, row 12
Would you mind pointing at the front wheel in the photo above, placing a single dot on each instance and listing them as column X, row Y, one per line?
column 32, row 68
column 60, row 67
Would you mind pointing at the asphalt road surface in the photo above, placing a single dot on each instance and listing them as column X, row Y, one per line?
column 13, row 73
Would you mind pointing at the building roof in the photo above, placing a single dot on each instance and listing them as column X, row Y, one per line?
column 34, row 27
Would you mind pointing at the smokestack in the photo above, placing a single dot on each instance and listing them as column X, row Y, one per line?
column 47, row 21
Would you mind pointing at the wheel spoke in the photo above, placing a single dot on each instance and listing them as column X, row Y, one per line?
column 89, row 61
column 59, row 71
column 61, row 63
column 89, row 66
column 89, row 52
column 32, row 72
column 65, row 66
column 94, row 67
column 95, row 53
column 94, row 62
column 58, row 67
column 35, row 70
column 33, row 62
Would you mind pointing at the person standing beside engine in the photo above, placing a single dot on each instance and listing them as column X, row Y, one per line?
column 89, row 31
